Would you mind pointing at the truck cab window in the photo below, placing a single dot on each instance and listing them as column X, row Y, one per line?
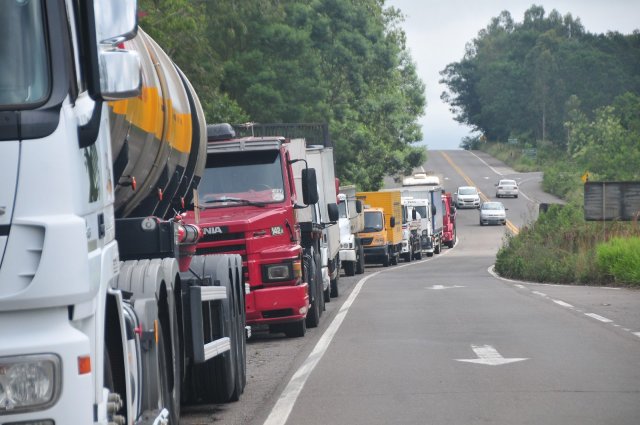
column 253, row 176
column 342, row 208
column 24, row 69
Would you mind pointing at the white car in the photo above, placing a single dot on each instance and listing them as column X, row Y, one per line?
column 493, row 213
column 467, row 197
column 507, row 188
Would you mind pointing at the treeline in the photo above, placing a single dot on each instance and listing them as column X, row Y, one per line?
column 278, row 61
column 528, row 80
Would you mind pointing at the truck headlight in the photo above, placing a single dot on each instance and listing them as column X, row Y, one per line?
column 29, row 383
column 347, row 245
column 277, row 272
column 378, row 241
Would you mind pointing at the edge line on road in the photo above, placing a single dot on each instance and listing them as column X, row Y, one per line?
column 283, row 407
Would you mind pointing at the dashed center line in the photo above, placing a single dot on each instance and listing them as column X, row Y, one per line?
column 598, row 317
column 542, row 294
column 562, row 303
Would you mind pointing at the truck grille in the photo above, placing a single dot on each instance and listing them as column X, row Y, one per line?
column 222, row 237
column 274, row 314
column 366, row 241
column 230, row 249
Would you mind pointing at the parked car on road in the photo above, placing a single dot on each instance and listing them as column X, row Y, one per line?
column 467, row 197
column 493, row 213
column 506, row 187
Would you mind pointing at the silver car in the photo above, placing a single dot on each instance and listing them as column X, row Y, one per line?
column 467, row 197
column 493, row 213
column 507, row 187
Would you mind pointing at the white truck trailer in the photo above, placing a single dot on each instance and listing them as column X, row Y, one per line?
column 105, row 317
column 320, row 158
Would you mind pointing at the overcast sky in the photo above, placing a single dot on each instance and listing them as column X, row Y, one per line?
column 437, row 31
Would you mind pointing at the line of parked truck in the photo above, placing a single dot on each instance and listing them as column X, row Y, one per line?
column 140, row 247
column 428, row 220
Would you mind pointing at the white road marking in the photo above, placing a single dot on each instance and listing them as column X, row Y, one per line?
column 598, row 317
column 487, row 355
column 542, row 294
column 281, row 411
column 562, row 303
column 483, row 161
column 444, row 287
column 637, row 334
column 520, row 286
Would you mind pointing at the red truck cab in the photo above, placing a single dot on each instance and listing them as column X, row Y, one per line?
column 245, row 204
column 448, row 220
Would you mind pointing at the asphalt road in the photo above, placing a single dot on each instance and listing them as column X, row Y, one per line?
column 444, row 341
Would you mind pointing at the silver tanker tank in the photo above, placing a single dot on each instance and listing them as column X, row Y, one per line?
column 158, row 138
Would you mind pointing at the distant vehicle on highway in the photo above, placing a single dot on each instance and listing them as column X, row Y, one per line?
column 493, row 213
column 467, row 197
column 506, row 187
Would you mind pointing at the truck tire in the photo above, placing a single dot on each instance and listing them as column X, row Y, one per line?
column 418, row 254
column 350, row 268
column 386, row 260
column 334, row 288
column 241, row 321
column 438, row 248
column 315, row 294
column 360, row 260
column 215, row 381
column 334, row 282
column 295, row 329
column 167, row 400
column 317, row 260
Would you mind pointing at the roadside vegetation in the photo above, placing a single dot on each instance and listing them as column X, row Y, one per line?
column 547, row 95
column 344, row 63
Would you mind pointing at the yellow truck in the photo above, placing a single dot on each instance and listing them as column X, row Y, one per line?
column 382, row 234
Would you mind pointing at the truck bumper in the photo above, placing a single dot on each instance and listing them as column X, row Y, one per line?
column 375, row 252
column 277, row 305
column 347, row 255
column 75, row 401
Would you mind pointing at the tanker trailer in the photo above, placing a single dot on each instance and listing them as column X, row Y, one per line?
column 102, row 142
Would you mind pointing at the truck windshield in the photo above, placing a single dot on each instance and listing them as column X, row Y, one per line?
column 373, row 221
column 342, row 208
column 421, row 210
column 247, row 176
column 24, row 71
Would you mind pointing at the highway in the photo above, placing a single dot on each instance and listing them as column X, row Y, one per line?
column 445, row 341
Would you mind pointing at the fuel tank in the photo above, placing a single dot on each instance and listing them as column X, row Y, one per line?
column 158, row 138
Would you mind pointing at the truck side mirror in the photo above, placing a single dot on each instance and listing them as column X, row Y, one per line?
column 433, row 210
column 392, row 221
column 334, row 213
column 309, row 186
column 358, row 206
column 414, row 214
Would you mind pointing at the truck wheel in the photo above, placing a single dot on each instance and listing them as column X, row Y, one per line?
column 295, row 329
column 241, row 321
column 170, row 358
column 313, row 315
column 334, row 288
column 327, row 295
column 386, row 261
column 318, row 273
column 418, row 255
column 394, row 259
column 438, row 247
column 166, row 393
column 350, row 268
column 215, row 380
column 360, row 260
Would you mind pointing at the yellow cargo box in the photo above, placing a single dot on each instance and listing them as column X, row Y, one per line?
column 390, row 202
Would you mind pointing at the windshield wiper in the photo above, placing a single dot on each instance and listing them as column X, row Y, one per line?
column 225, row 199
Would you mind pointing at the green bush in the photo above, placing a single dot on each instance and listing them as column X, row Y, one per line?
column 619, row 258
